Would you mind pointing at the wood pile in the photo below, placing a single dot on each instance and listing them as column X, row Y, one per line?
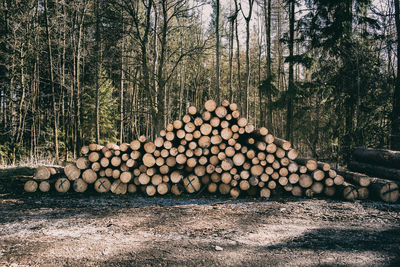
column 375, row 173
column 215, row 151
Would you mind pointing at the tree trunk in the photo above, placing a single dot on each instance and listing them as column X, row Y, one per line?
column 395, row 138
column 121, row 99
column 239, row 90
column 53, row 93
column 97, row 50
column 217, row 51
column 246, row 97
column 267, row 15
column 291, row 90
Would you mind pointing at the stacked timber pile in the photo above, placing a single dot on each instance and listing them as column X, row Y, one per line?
column 375, row 173
column 43, row 178
column 215, row 150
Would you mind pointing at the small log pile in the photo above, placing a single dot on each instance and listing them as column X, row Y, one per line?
column 215, row 150
column 375, row 173
column 43, row 178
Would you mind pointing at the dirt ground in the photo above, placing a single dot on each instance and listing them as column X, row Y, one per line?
column 108, row 230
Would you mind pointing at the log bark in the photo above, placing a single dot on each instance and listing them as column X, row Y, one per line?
column 378, row 171
column 381, row 157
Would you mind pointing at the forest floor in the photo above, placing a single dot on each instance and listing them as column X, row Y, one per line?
column 109, row 230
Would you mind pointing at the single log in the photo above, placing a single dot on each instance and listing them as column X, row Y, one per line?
column 293, row 167
column 271, row 148
column 317, row 187
column 286, row 145
column 350, row 191
column 284, row 161
column 106, row 152
column 119, row 188
column 125, row 177
column 212, row 187
column 329, row 182
column 30, row 186
column 135, row 154
column 363, row 193
column 244, row 185
column 302, row 169
column 124, row 147
column 156, row 179
column 108, row 172
column 104, row 162
column 191, row 162
column 294, row 178
column 385, row 190
column 297, row 191
column 102, row 185
column 115, row 161
column 329, row 191
column 338, row 180
column 234, row 192
column 323, row 166
column 164, row 169
column 44, row 186
column 163, row 188
column 192, row 183
column 332, row 173
column 355, row 177
column 177, row 189
column 269, row 139
column 271, row 185
column 132, row 188
column 85, row 150
column 148, row 160
column 224, row 189
column 62, row 185
column 382, row 157
column 89, row 176
column 283, row 172
column 292, row 154
column 94, row 156
column 142, row 139
column 42, row 173
column 379, row 171
column 72, row 172
column 80, row 185
column 256, row 170
column 204, row 141
column 305, row 180
column 116, row 173
column 144, row 179
column 318, row 175
column 199, row 171
column 227, row 164
column 226, row 178
column 265, row 193
column 175, row 177
column 226, row 133
column 135, row 145
column 221, row 111
column 96, row 166
column 283, row 180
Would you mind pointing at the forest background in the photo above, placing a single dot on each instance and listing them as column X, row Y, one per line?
column 323, row 74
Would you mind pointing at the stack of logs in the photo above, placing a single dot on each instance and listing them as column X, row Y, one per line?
column 216, row 150
column 376, row 172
